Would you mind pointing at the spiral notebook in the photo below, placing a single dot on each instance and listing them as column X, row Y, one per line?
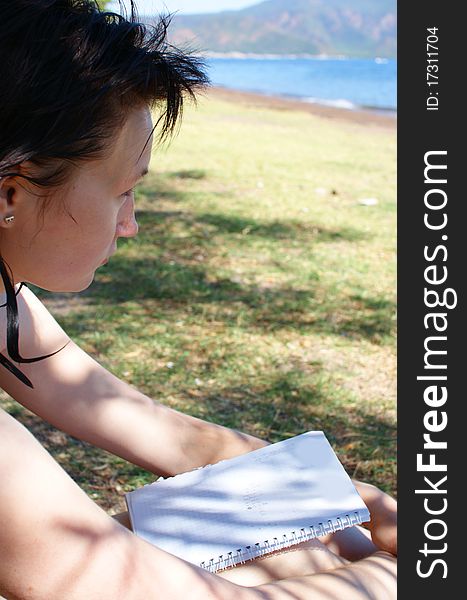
column 248, row 506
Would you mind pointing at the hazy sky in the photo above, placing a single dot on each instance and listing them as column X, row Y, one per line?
column 147, row 7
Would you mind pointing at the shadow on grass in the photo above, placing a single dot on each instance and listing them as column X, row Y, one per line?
column 174, row 288
column 160, row 189
column 170, row 263
column 218, row 224
column 173, row 269
column 164, row 187
column 188, row 174
column 279, row 230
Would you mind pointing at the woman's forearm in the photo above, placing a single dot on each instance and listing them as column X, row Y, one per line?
column 162, row 440
column 77, row 395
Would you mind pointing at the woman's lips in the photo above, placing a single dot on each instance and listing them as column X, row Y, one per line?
column 106, row 260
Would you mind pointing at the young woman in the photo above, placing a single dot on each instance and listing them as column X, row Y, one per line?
column 76, row 91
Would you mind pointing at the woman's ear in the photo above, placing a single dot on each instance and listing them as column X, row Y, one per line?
column 6, row 203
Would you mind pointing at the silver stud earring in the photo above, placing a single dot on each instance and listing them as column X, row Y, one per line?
column 9, row 219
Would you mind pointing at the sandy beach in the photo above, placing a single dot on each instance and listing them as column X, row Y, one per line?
column 362, row 117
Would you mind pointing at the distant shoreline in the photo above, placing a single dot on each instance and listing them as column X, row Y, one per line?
column 292, row 56
column 364, row 117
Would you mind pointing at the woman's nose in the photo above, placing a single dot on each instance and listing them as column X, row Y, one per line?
column 127, row 225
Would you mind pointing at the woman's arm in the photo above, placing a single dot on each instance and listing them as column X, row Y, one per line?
column 383, row 511
column 77, row 395
column 55, row 543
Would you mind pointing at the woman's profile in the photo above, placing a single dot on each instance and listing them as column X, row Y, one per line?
column 78, row 88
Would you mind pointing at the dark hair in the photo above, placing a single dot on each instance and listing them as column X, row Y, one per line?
column 69, row 74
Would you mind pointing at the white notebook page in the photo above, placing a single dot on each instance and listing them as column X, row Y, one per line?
column 259, row 500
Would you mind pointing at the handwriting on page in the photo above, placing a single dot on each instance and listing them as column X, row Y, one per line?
column 254, row 502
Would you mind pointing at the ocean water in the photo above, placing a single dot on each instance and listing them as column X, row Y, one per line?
column 343, row 82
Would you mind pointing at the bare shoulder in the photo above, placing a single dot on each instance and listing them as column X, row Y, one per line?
column 40, row 332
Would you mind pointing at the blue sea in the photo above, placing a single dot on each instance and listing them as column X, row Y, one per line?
column 342, row 82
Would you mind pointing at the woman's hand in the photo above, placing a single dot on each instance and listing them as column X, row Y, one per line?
column 383, row 511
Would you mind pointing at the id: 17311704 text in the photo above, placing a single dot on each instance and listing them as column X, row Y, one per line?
column 432, row 68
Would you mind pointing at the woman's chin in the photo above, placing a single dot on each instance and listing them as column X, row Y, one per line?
column 65, row 287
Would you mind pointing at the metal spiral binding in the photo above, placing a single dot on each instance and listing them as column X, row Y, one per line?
column 242, row 555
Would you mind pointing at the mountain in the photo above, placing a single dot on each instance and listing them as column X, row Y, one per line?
column 357, row 28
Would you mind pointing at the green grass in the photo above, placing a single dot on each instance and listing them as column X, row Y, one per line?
column 252, row 297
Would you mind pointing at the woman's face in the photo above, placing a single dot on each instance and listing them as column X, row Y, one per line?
column 61, row 248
